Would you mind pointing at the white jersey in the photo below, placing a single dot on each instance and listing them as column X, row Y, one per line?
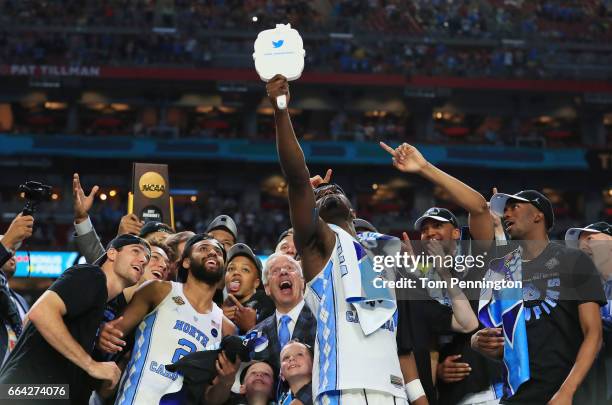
column 345, row 358
column 172, row 330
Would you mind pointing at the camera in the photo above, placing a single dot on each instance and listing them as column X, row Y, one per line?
column 34, row 193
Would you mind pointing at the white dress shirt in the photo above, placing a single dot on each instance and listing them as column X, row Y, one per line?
column 293, row 314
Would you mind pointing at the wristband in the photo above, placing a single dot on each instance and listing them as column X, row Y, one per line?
column 414, row 390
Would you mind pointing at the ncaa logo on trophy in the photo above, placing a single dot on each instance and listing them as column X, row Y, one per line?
column 150, row 199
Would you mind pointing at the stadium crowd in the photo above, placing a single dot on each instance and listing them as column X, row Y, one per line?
column 177, row 33
column 189, row 317
column 584, row 20
column 541, row 61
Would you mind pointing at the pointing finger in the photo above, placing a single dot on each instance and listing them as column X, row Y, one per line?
column 387, row 148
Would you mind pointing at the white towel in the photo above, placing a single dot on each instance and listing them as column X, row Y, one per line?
column 374, row 306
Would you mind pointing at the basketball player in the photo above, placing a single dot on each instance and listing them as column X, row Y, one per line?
column 175, row 319
column 323, row 227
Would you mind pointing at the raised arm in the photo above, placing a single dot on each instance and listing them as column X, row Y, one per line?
column 407, row 158
column 87, row 240
column 309, row 229
column 146, row 298
column 293, row 165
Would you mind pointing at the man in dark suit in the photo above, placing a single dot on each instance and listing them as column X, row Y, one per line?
column 292, row 319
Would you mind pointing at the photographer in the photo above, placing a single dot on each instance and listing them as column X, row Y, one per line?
column 12, row 306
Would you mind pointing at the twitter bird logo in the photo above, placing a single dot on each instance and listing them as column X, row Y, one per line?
column 278, row 44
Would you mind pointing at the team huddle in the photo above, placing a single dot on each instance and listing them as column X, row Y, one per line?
column 159, row 317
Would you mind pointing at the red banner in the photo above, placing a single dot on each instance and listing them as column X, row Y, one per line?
column 353, row 79
column 50, row 70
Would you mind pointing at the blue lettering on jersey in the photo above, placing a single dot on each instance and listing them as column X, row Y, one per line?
column 351, row 316
column 161, row 370
column 191, row 331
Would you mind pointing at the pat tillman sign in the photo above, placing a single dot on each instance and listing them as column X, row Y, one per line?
column 150, row 197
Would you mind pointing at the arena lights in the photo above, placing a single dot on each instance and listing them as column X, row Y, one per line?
column 103, row 197
column 54, row 105
column 54, row 196
column 254, row 19
column 374, row 186
column 193, row 198
column 120, row 107
column 112, row 193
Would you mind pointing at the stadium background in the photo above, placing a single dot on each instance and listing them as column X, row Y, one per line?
column 503, row 93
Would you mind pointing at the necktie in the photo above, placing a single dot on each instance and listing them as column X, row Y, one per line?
column 283, row 330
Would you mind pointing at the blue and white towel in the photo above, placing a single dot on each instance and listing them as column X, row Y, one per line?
column 505, row 308
column 374, row 306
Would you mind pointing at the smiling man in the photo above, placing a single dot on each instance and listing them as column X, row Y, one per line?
column 158, row 268
column 562, row 293
column 292, row 319
column 57, row 341
column 159, row 265
column 174, row 319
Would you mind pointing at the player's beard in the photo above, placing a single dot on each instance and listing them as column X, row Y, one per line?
column 199, row 271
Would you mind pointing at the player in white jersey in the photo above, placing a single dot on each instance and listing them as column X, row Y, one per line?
column 174, row 320
column 350, row 365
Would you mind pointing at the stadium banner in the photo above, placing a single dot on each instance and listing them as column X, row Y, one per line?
column 150, row 198
column 43, row 264
column 46, row 264
column 50, row 70
column 362, row 79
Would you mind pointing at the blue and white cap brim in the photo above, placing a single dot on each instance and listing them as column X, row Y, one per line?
column 573, row 234
column 499, row 200
column 418, row 222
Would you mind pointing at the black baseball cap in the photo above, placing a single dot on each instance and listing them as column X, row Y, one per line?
column 284, row 235
column 182, row 272
column 241, row 249
column 597, row 227
column 121, row 241
column 361, row 223
column 154, row 226
column 437, row 214
column 224, row 222
column 324, row 186
column 535, row 198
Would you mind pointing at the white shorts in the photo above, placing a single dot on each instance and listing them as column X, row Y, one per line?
column 359, row 397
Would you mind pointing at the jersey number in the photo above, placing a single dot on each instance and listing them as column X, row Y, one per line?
column 180, row 352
